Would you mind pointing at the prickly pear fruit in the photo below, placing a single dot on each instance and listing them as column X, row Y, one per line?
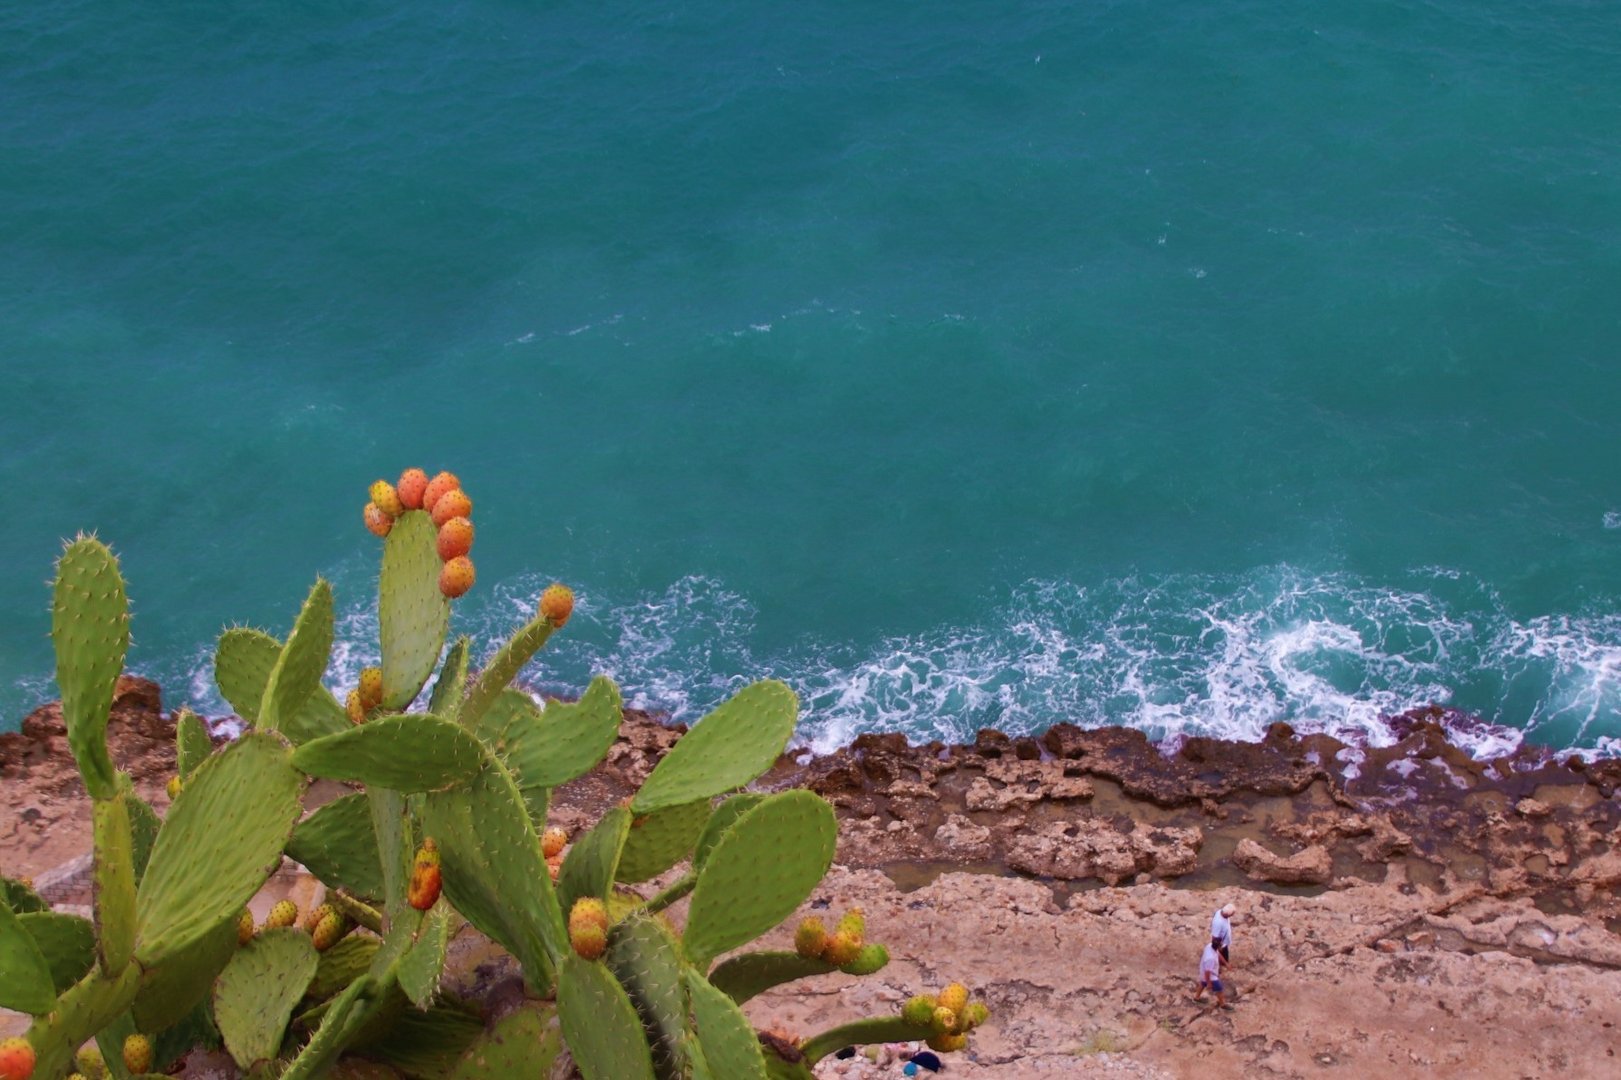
column 90, row 1062
column 810, row 938
column 445, row 481
column 954, row 997
column 456, row 577
column 16, row 1059
column 412, row 486
column 329, row 931
column 138, row 1054
column 386, row 499
column 316, row 914
column 947, row 1044
column 455, row 538
column 371, row 687
column 355, row 707
column 173, row 788
column 588, row 927
column 554, row 867
column 244, row 930
column 918, row 1011
column 557, row 604
column 841, row 949
column 377, row 522
column 285, row 913
column 552, row 841
column 425, row 880
column 871, row 959
column 452, row 504
column 944, row 1021
column 854, row 923
column 974, row 1015
column 77, row 1076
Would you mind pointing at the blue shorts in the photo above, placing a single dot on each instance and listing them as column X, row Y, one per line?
column 1214, row 984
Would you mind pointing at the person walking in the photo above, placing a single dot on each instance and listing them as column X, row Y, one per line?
column 1210, row 973
column 1221, row 931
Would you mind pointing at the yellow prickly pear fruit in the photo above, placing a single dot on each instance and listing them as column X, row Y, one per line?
column 371, row 687
column 947, row 1044
column 425, row 877
column 16, row 1059
column 412, row 486
column 386, row 499
column 377, row 522
column 944, row 1021
column 316, row 914
column 455, row 538
column 138, row 1054
column 841, row 949
column 973, row 1016
column 173, row 788
column 456, row 577
column 588, row 927
column 452, row 504
column 554, row 866
column 557, row 603
column 77, row 1076
column 854, row 924
column 285, row 913
column 954, row 997
column 445, row 481
column 90, row 1062
column 919, row 1011
column 244, row 929
column 810, row 938
column 355, row 707
column 329, row 931
column 552, row 841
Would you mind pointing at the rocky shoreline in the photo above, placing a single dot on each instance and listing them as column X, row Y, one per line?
column 1405, row 910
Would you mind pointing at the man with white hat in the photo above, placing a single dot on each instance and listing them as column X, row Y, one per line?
column 1221, row 931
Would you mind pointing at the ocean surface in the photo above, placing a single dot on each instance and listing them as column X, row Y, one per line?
column 1188, row 366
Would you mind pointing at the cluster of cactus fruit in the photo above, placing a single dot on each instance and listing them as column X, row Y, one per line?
column 447, row 506
column 446, row 828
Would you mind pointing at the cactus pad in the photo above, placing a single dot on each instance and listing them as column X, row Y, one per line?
column 726, row 749
column 724, row 817
column 255, row 994
column 748, row 974
column 90, row 628
column 412, row 615
column 452, row 681
column 646, row 959
column 67, row 942
column 603, row 1031
column 658, row 841
column 406, row 753
column 762, row 868
column 588, row 869
column 728, row 1040
column 25, row 977
column 222, row 839
column 567, row 740
column 303, row 659
column 114, row 878
column 420, row 968
column 523, row 1043
column 243, row 660
column 192, row 743
column 20, row 897
column 338, row 845
column 341, row 965
column 502, row 668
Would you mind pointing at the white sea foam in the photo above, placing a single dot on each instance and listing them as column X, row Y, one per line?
column 1173, row 656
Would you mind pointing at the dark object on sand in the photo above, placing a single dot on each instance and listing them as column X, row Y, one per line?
column 927, row 1060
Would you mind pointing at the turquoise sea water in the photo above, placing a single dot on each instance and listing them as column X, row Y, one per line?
column 1187, row 366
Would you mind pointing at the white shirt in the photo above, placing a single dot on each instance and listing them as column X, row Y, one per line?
column 1209, row 963
column 1222, row 929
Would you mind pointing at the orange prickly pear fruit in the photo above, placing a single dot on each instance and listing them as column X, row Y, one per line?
column 810, row 938
column 445, row 481
column 456, row 577
column 954, row 997
column 371, row 687
column 919, row 1011
column 974, row 1015
column 386, row 499
column 554, row 866
column 138, row 1054
column 412, row 486
column 588, row 927
column 285, row 913
column 455, row 538
column 329, row 931
column 552, row 841
column 841, row 949
column 16, row 1059
column 557, row 604
column 316, row 914
column 355, row 707
column 173, row 788
column 244, row 927
column 854, row 923
column 377, row 522
column 452, row 504
column 425, row 879
column 947, row 1044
